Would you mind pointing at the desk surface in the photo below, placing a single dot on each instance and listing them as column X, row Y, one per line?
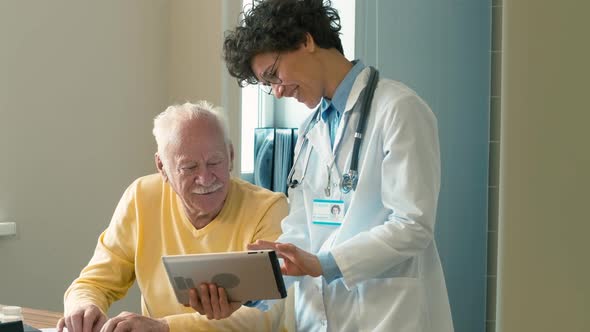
column 40, row 319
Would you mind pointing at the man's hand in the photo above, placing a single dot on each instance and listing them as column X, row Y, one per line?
column 211, row 301
column 87, row 318
column 296, row 262
column 128, row 321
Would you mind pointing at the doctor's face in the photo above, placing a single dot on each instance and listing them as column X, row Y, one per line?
column 296, row 74
column 197, row 165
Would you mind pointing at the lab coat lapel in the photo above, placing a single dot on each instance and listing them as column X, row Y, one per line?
column 319, row 138
column 353, row 97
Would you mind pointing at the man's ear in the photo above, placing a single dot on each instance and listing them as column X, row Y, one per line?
column 231, row 157
column 160, row 167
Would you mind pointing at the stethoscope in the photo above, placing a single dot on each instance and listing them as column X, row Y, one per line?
column 349, row 178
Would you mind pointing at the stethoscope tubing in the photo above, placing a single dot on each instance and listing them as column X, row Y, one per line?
column 365, row 109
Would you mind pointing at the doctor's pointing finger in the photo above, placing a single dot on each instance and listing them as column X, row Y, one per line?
column 296, row 261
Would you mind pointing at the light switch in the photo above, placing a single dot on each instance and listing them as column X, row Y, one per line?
column 7, row 228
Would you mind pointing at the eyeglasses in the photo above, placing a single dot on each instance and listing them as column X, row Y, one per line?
column 269, row 77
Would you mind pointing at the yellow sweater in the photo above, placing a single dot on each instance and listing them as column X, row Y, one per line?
column 150, row 222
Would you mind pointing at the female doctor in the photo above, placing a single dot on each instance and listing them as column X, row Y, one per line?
column 375, row 268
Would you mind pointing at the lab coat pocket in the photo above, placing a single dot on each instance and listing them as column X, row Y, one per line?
column 392, row 304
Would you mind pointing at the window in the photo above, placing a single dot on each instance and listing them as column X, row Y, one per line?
column 257, row 111
column 250, row 109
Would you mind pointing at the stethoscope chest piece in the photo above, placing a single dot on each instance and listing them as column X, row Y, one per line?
column 348, row 182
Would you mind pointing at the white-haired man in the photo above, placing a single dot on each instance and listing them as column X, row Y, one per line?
column 192, row 206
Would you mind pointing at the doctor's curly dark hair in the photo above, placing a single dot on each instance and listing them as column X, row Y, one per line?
column 278, row 26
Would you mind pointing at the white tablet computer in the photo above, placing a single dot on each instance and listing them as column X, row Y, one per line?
column 245, row 275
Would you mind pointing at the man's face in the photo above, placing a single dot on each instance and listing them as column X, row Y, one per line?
column 298, row 72
column 198, row 165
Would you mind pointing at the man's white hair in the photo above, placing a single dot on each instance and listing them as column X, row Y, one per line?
column 168, row 123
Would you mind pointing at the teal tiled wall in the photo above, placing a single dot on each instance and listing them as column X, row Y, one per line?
column 441, row 49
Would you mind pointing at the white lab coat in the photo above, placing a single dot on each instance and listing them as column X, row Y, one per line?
column 392, row 276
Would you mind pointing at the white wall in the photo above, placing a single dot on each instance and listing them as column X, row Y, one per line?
column 80, row 82
column 193, row 52
column 543, row 262
column 197, row 70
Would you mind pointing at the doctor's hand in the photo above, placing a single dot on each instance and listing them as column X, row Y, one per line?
column 296, row 261
column 132, row 322
column 86, row 318
column 212, row 301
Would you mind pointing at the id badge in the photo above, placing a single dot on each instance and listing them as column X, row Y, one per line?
column 327, row 212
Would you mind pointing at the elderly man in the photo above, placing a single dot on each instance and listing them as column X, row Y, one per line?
column 192, row 206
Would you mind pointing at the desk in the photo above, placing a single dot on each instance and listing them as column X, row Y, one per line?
column 40, row 319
